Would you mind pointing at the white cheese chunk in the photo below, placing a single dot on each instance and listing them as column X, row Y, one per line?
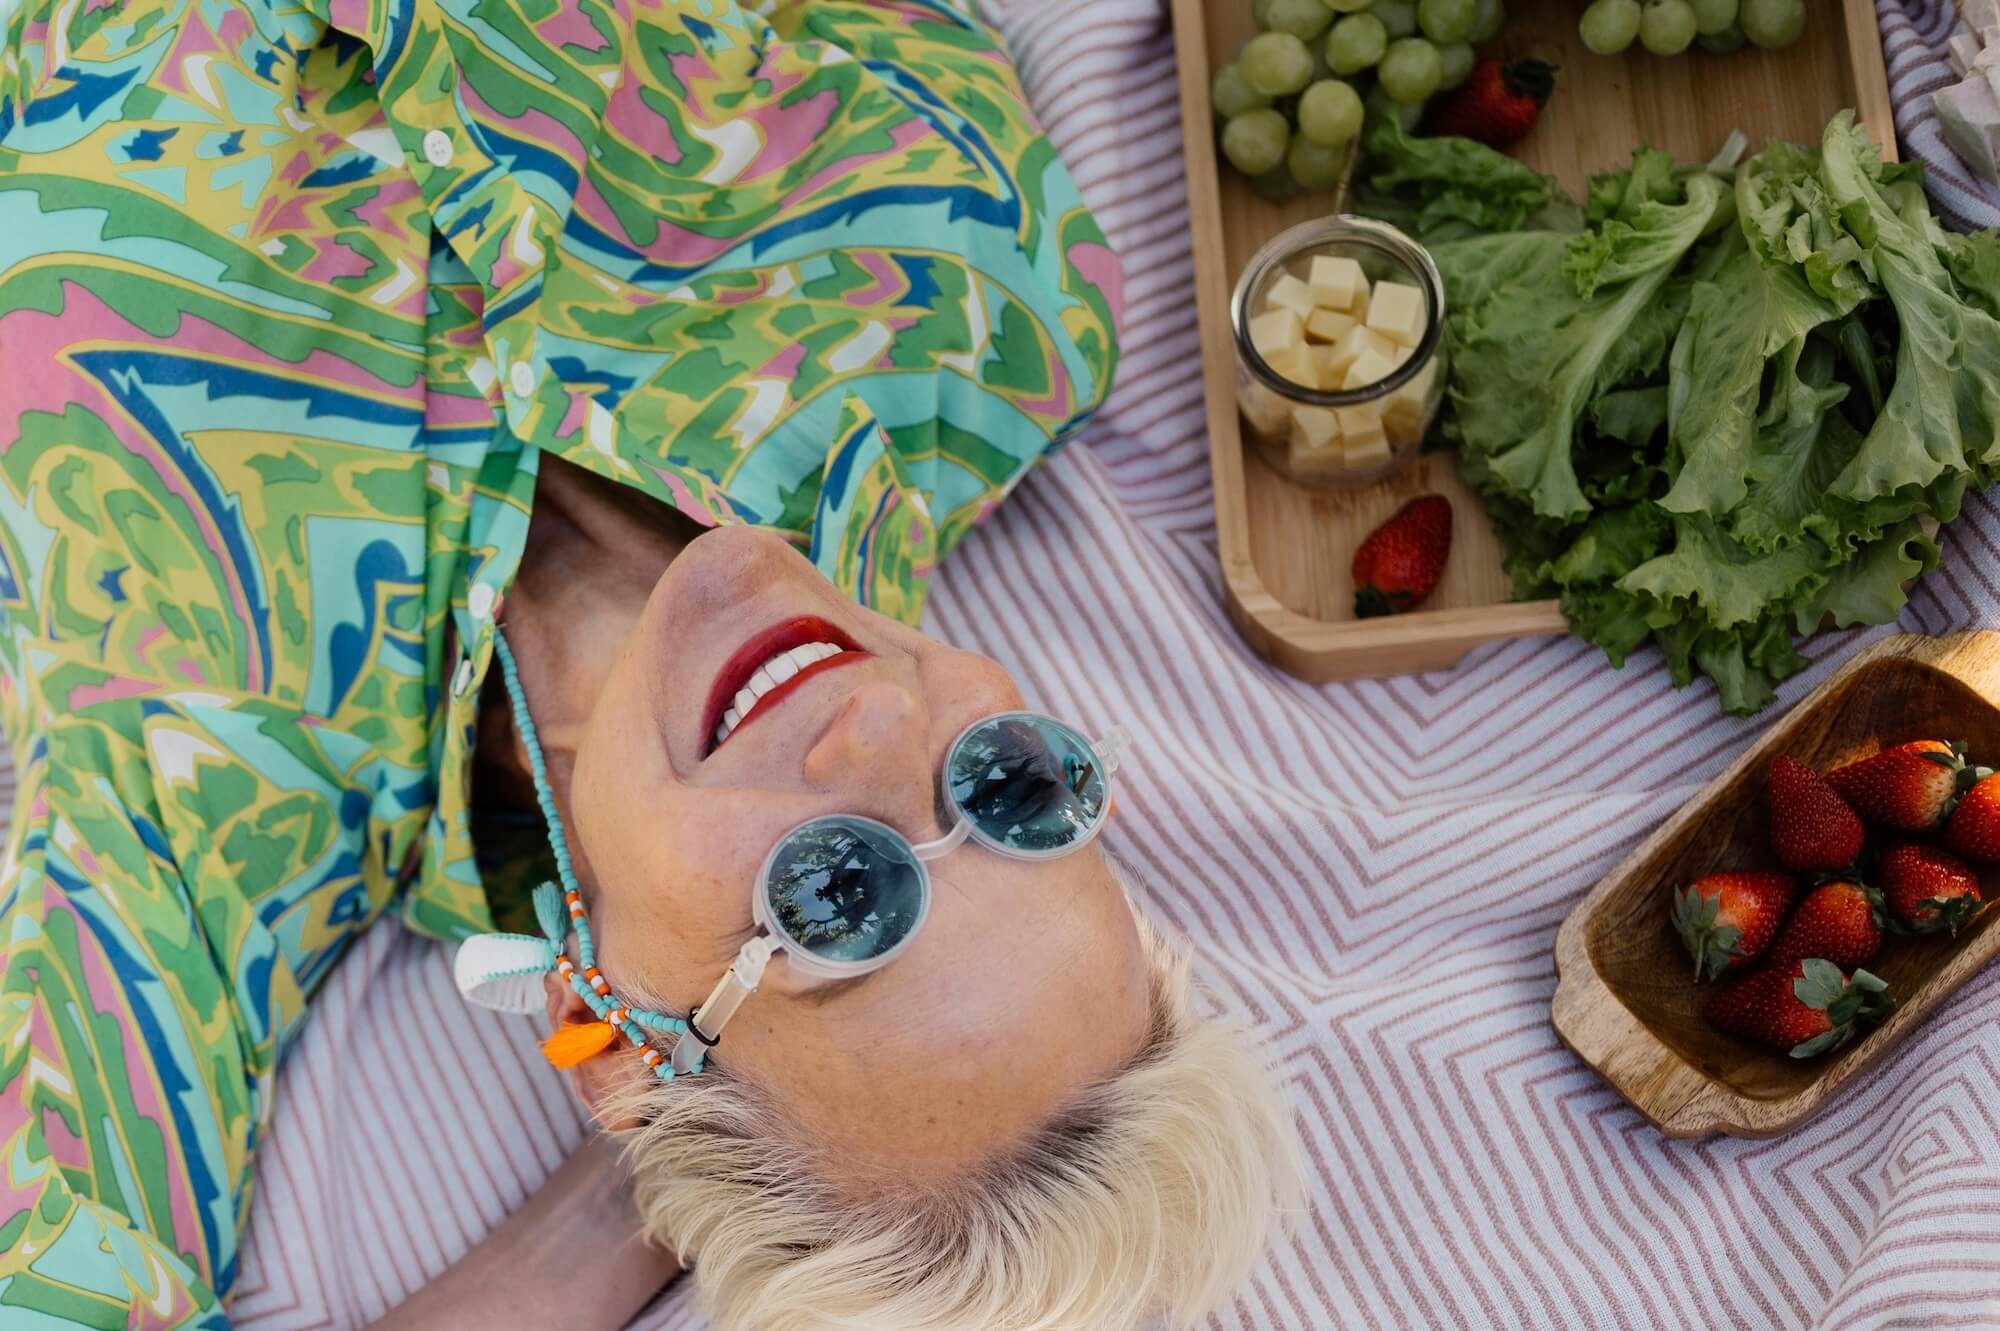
column 1969, row 116
column 1325, row 325
column 1288, row 293
column 1314, row 428
column 1275, row 332
column 1326, row 373
column 1355, row 343
column 1963, row 51
column 1337, row 283
column 1396, row 310
column 1296, row 364
column 1403, row 410
column 1366, row 444
column 1368, row 368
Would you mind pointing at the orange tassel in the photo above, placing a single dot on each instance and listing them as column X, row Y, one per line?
column 573, row 1044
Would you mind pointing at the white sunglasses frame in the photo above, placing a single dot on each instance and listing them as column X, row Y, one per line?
column 746, row 972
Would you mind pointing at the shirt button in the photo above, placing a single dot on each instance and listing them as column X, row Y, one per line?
column 461, row 679
column 480, row 600
column 521, row 378
column 437, row 148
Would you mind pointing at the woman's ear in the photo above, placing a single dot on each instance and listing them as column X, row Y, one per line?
column 598, row 1076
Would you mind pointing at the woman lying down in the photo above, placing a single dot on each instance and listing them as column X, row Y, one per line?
column 371, row 375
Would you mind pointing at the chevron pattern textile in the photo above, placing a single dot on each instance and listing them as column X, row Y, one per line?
column 1373, row 873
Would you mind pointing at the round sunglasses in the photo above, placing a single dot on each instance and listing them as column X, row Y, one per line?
column 841, row 895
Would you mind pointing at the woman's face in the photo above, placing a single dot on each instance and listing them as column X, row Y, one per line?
column 1026, row 982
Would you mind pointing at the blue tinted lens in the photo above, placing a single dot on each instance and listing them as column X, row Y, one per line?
column 845, row 889
column 1027, row 783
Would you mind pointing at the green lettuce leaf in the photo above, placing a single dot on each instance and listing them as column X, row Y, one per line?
column 1801, row 444
column 1942, row 415
column 1872, row 587
column 1710, row 575
column 1746, row 315
column 1528, row 360
column 1789, row 218
column 1426, row 185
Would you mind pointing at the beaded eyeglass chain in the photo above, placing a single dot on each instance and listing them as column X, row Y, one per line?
column 559, row 911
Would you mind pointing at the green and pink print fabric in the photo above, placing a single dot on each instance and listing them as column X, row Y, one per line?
column 293, row 298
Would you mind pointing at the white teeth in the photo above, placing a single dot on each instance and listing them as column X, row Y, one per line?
column 767, row 677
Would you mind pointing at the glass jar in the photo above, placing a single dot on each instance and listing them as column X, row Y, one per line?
column 1319, row 434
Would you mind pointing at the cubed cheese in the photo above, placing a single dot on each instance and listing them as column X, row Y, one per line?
column 1337, row 283
column 1368, row 368
column 1400, row 354
column 1396, row 310
column 1297, row 364
column 1327, row 325
column 1962, row 50
column 1969, row 116
column 1326, row 374
column 1288, row 293
column 1355, row 343
column 1275, row 332
column 1314, row 428
column 1366, row 445
column 1403, row 410
column 1362, row 420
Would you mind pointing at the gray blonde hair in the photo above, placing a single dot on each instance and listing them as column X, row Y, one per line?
column 1151, row 1192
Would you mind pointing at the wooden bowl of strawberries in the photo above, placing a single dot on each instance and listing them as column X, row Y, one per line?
column 1808, row 908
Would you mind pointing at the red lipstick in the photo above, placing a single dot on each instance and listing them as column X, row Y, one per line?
column 761, row 647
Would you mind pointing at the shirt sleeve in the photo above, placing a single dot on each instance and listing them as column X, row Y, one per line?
column 708, row 243
column 124, row 1113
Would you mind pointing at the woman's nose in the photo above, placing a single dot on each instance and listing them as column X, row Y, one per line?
column 876, row 756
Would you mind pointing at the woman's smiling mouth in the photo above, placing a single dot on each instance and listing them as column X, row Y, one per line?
column 768, row 668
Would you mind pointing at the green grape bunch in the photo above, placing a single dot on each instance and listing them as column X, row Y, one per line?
column 1669, row 27
column 1290, row 106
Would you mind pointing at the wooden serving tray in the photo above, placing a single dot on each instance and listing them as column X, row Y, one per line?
column 1285, row 549
column 1626, row 1000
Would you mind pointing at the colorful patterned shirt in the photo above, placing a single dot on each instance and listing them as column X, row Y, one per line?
column 293, row 296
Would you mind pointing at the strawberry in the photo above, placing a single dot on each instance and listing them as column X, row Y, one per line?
column 1929, row 891
column 1910, row 787
column 1497, row 104
column 1803, row 1007
column 1974, row 829
column 1840, row 921
column 1811, row 827
column 1401, row 561
column 1727, row 919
